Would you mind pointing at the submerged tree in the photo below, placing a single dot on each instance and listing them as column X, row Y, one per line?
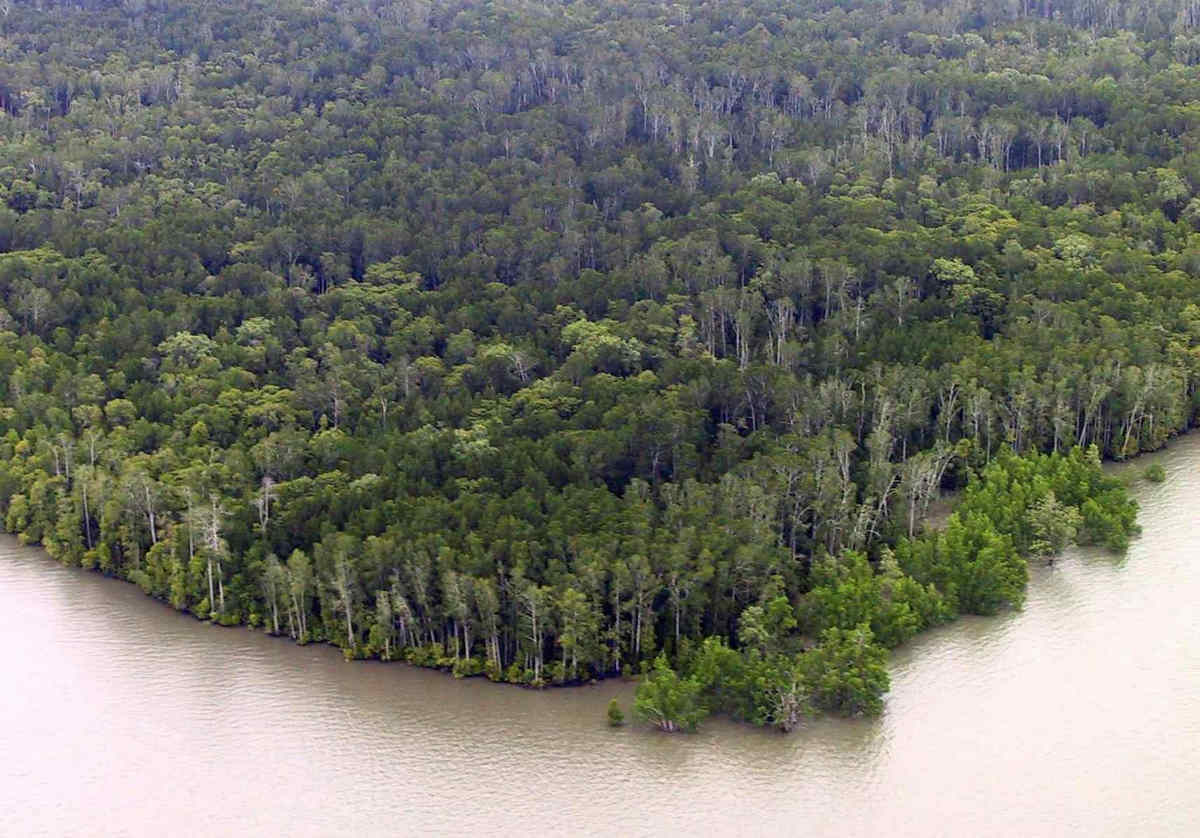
column 667, row 701
column 1053, row 525
column 847, row 673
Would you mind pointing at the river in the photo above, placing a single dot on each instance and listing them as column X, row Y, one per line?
column 1079, row 715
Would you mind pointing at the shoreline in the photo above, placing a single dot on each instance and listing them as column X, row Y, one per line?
column 446, row 666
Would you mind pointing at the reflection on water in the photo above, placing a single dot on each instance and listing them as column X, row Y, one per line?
column 1078, row 715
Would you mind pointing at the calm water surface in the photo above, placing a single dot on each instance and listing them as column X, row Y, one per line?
column 1079, row 715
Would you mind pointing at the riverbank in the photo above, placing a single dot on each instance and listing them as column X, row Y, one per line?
column 1021, row 724
column 975, row 565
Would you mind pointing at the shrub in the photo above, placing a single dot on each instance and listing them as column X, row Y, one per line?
column 615, row 717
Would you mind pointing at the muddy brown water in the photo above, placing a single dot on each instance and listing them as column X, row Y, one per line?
column 1079, row 715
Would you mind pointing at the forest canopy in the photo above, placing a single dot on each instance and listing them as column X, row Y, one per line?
column 549, row 341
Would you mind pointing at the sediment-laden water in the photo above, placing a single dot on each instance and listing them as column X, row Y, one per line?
column 1079, row 715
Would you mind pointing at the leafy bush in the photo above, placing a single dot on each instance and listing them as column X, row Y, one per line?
column 616, row 718
column 667, row 701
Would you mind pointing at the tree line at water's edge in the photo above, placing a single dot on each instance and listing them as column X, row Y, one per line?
column 550, row 342
column 1034, row 505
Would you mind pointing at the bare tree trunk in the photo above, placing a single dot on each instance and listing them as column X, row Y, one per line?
column 150, row 513
column 211, row 592
column 87, row 520
column 220, row 586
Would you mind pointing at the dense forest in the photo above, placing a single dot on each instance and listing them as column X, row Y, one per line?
column 549, row 341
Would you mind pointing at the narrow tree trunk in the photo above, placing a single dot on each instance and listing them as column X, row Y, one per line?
column 220, row 586
column 87, row 520
column 211, row 591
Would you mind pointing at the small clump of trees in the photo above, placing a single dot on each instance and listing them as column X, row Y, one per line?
column 829, row 654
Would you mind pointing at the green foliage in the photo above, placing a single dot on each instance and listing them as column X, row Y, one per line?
column 667, row 701
column 1035, row 504
column 1054, row 525
column 725, row 679
column 1155, row 473
column 778, row 691
column 765, row 627
column 847, row 673
column 847, row 591
column 467, row 667
column 975, row 567
column 616, row 718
